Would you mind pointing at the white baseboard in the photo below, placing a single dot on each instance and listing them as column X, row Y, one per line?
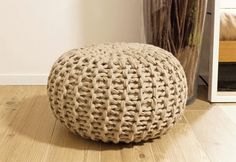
column 23, row 79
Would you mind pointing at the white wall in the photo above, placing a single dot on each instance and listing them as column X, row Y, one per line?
column 228, row 4
column 33, row 33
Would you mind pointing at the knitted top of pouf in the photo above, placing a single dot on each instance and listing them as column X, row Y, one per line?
column 119, row 92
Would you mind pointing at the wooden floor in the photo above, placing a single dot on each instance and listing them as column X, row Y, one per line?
column 29, row 133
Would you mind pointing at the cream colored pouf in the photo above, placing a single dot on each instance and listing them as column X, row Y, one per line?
column 119, row 92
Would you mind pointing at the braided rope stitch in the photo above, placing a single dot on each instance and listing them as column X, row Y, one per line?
column 119, row 92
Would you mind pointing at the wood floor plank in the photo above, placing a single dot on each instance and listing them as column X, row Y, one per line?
column 23, row 129
column 230, row 111
column 43, row 135
column 127, row 152
column 67, row 147
column 11, row 106
column 216, row 133
column 4, row 94
column 29, row 132
column 144, row 152
column 179, row 145
column 111, row 152
column 137, row 152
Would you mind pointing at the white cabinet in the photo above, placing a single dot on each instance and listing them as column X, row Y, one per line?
column 214, row 39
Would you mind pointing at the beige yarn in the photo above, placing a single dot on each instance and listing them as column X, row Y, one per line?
column 119, row 92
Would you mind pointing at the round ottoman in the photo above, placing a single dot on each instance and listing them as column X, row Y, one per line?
column 118, row 92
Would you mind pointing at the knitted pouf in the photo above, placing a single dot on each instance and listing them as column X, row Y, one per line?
column 119, row 92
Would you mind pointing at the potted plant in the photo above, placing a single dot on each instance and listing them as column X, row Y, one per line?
column 177, row 26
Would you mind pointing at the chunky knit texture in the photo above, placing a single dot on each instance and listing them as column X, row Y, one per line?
column 119, row 92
